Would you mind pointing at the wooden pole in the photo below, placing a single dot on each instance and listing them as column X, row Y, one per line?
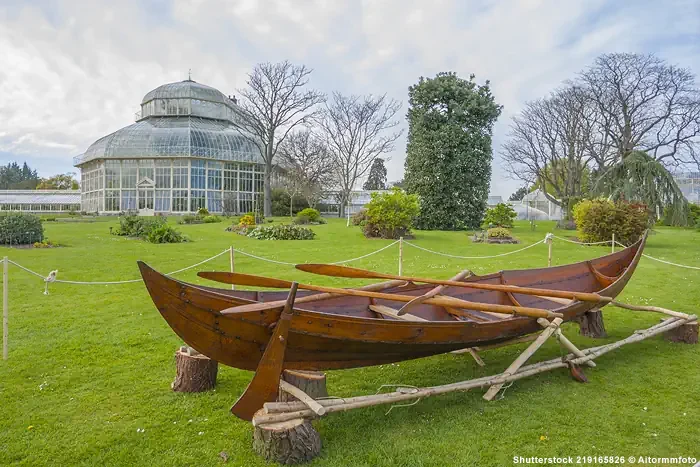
column 613, row 243
column 5, row 305
column 549, row 253
column 522, row 358
column 400, row 256
column 233, row 286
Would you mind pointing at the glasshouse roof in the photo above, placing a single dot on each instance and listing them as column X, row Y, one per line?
column 174, row 137
column 184, row 119
column 39, row 196
column 187, row 89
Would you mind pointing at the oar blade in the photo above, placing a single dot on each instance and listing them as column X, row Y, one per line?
column 244, row 279
column 340, row 271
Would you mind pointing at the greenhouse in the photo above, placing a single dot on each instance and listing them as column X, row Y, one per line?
column 40, row 201
column 689, row 183
column 182, row 154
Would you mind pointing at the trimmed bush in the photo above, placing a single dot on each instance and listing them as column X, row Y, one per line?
column 391, row 214
column 20, row 229
column 498, row 232
column 211, row 219
column 360, row 217
column 190, row 219
column 501, row 215
column 246, row 220
column 282, row 232
column 597, row 219
column 151, row 229
column 165, row 234
column 311, row 213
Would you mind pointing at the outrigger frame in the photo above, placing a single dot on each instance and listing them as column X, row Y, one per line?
column 258, row 405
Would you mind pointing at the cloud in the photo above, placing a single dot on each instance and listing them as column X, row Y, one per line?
column 74, row 71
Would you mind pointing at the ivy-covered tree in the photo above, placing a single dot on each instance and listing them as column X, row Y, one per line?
column 377, row 176
column 448, row 161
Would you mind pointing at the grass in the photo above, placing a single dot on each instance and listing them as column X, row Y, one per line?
column 89, row 365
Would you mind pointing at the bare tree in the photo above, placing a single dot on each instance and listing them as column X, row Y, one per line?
column 304, row 157
column 358, row 129
column 274, row 103
column 552, row 143
column 646, row 104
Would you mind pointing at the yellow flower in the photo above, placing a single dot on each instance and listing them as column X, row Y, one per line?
column 30, row 427
column 543, row 438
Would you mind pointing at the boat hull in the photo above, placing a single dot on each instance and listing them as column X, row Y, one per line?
column 343, row 333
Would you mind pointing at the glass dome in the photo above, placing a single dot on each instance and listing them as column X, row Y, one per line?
column 183, row 153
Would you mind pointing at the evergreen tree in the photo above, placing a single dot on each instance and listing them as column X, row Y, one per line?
column 14, row 177
column 448, row 161
column 377, row 176
column 519, row 194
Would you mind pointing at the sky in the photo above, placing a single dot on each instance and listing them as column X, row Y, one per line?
column 74, row 71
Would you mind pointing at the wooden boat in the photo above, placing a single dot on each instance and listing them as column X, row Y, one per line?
column 343, row 331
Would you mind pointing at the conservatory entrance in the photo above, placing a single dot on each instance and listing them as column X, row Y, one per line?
column 146, row 195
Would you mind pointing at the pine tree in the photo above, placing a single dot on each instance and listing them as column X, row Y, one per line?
column 377, row 176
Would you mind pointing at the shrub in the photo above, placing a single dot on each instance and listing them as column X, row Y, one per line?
column 246, row 220
column 301, row 220
column 311, row 213
column 45, row 244
column 20, row 229
column 165, row 234
column 280, row 203
column 190, row 219
column 498, row 232
column 211, row 219
column 201, row 212
column 596, row 220
column 360, row 217
column 282, row 232
column 501, row 215
column 151, row 229
column 48, row 219
column 391, row 214
column 693, row 215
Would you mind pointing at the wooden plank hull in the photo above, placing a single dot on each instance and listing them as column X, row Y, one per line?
column 343, row 332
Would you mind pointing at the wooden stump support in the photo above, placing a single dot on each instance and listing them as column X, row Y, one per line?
column 195, row 372
column 293, row 441
column 685, row 334
column 591, row 324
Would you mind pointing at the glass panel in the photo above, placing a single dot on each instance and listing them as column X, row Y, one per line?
column 197, row 199
column 128, row 174
column 214, row 201
column 180, row 201
column 163, row 177
column 128, row 200
column 162, row 200
column 198, row 175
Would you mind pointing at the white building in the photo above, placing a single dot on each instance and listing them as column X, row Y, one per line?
column 183, row 153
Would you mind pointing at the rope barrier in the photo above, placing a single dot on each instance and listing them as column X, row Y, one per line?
column 582, row 243
column 664, row 261
column 52, row 275
column 472, row 257
column 261, row 258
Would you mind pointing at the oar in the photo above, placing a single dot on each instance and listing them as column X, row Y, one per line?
column 265, row 383
column 356, row 273
column 260, row 281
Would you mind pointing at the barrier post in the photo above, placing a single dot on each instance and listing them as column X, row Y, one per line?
column 548, row 239
column 613, row 243
column 233, row 287
column 5, row 305
column 400, row 255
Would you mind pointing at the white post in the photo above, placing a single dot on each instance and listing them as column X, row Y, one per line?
column 613, row 243
column 5, row 305
column 233, row 287
column 549, row 254
column 400, row 255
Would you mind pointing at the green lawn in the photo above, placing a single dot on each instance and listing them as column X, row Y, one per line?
column 89, row 365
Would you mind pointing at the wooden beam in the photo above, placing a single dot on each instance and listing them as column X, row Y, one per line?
column 566, row 343
column 522, row 358
column 388, row 311
column 302, row 396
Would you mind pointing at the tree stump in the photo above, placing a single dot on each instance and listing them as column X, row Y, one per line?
column 290, row 442
column 687, row 334
column 195, row 372
column 312, row 383
column 591, row 324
